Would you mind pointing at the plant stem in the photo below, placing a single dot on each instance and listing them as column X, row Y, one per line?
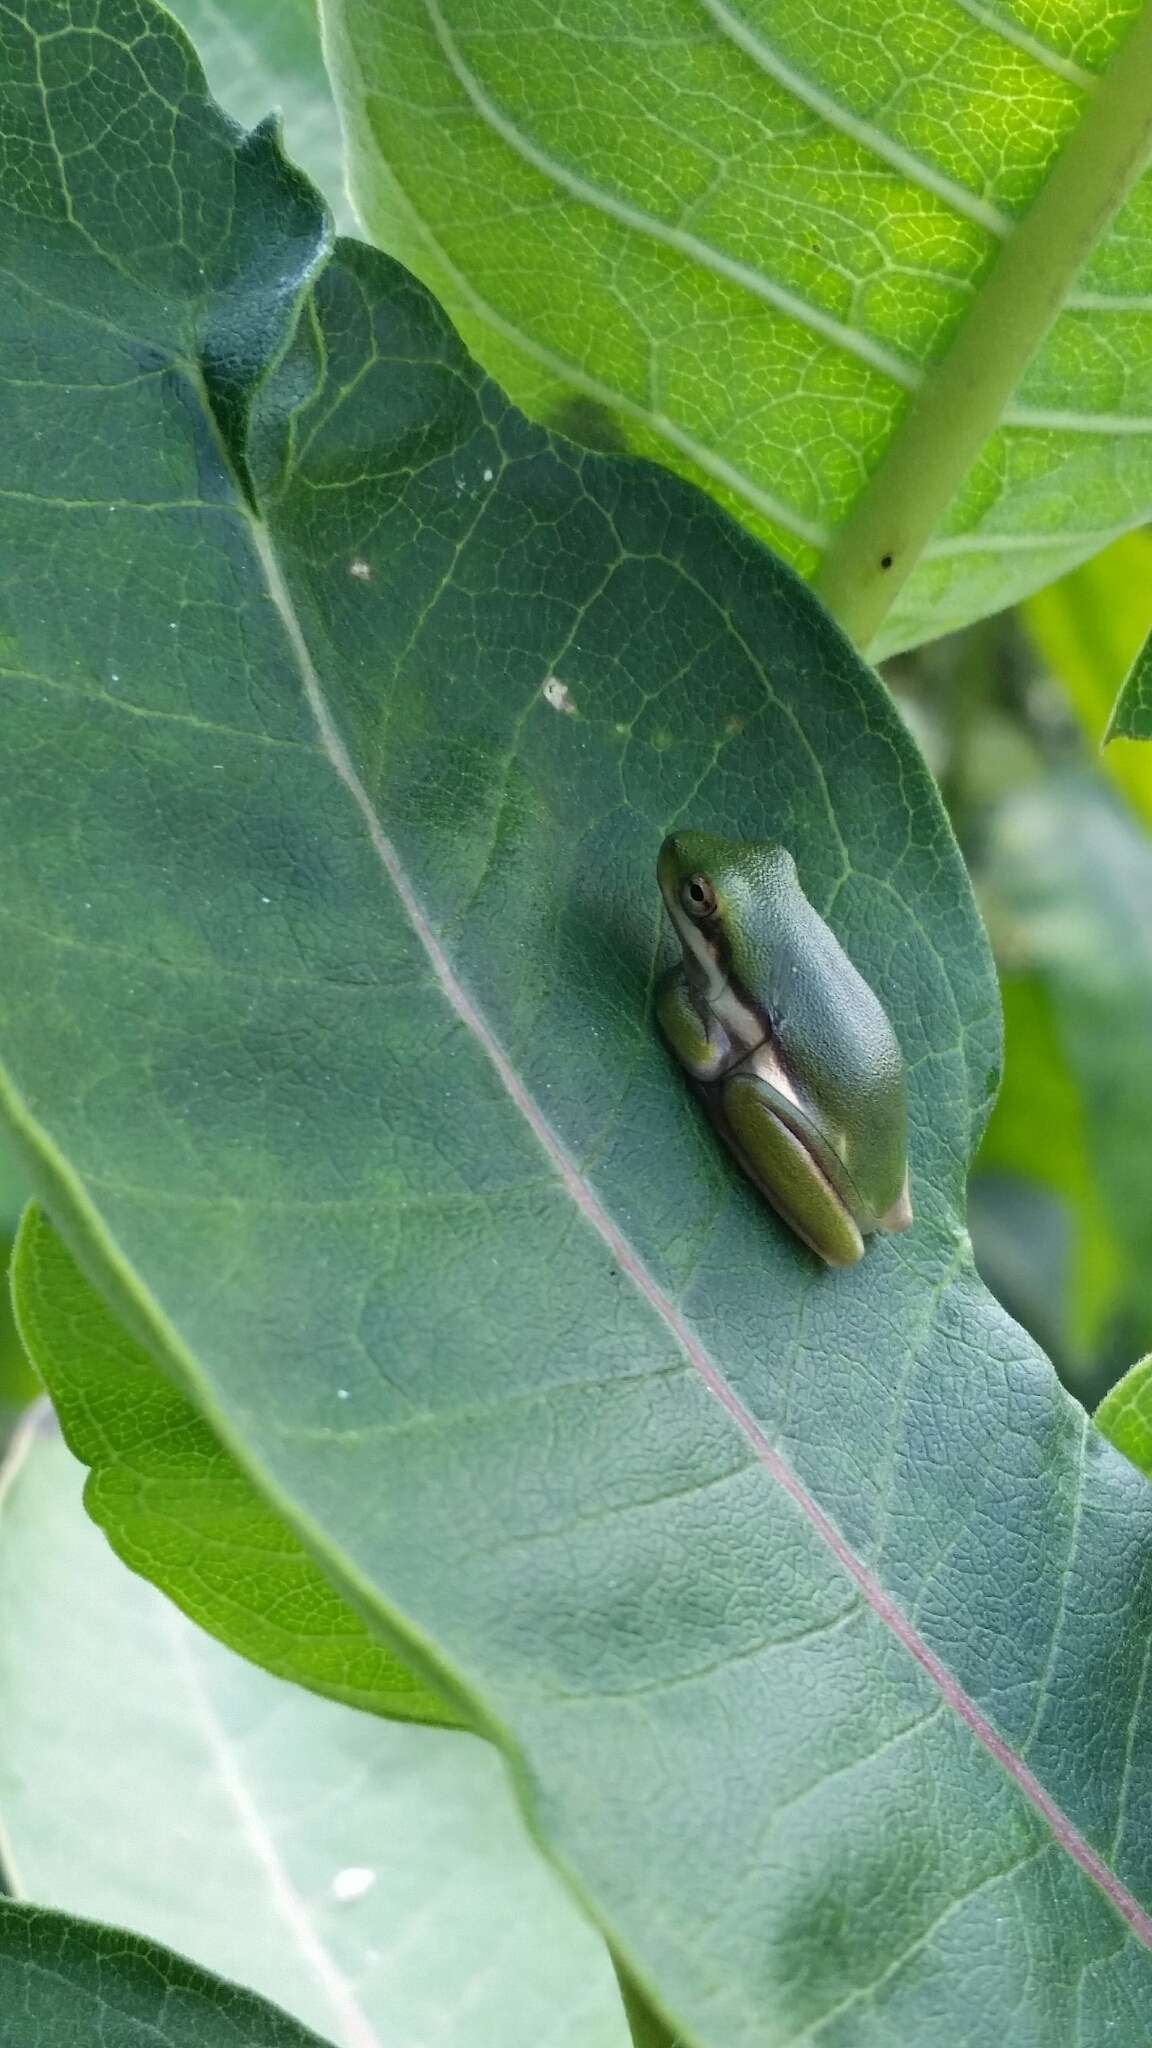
column 959, row 406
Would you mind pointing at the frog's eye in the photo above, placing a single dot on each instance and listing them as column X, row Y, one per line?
column 698, row 896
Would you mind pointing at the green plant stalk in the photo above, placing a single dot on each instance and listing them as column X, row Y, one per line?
column 959, row 406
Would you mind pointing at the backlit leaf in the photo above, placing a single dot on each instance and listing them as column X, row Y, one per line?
column 178, row 1509
column 807, row 256
column 1125, row 1415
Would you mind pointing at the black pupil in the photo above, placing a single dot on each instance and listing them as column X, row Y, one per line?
column 698, row 892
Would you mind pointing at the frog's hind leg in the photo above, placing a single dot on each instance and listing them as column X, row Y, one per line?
column 784, row 1170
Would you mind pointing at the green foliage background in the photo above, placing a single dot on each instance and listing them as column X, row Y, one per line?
column 1010, row 714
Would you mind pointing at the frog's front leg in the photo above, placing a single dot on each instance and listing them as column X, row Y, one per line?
column 784, row 1170
column 692, row 1029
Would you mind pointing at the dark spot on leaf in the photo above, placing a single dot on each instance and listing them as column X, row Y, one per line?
column 590, row 424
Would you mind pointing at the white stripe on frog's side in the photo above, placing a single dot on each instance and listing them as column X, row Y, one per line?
column 764, row 1061
column 693, row 940
column 746, row 1026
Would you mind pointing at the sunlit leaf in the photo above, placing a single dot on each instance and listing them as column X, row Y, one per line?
column 177, row 1508
column 1125, row 1415
column 807, row 256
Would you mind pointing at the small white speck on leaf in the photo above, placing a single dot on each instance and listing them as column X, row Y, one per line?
column 353, row 1882
column 341, row 1393
column 265, row 899
column 488, row 475
column 361, row 570
column 558, row 695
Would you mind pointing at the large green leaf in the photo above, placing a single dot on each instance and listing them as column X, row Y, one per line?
column 348, row 713
column 63, row 1982
column 810, row 257
column 177, row 1508
column 375, row 1881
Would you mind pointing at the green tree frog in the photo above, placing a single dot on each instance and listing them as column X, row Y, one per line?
column 788, row 1047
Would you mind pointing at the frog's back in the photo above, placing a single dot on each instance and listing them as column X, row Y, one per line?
column 831, row 1032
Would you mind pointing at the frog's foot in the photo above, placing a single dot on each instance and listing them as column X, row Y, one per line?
column 786, row 1172
column 899, row 1216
